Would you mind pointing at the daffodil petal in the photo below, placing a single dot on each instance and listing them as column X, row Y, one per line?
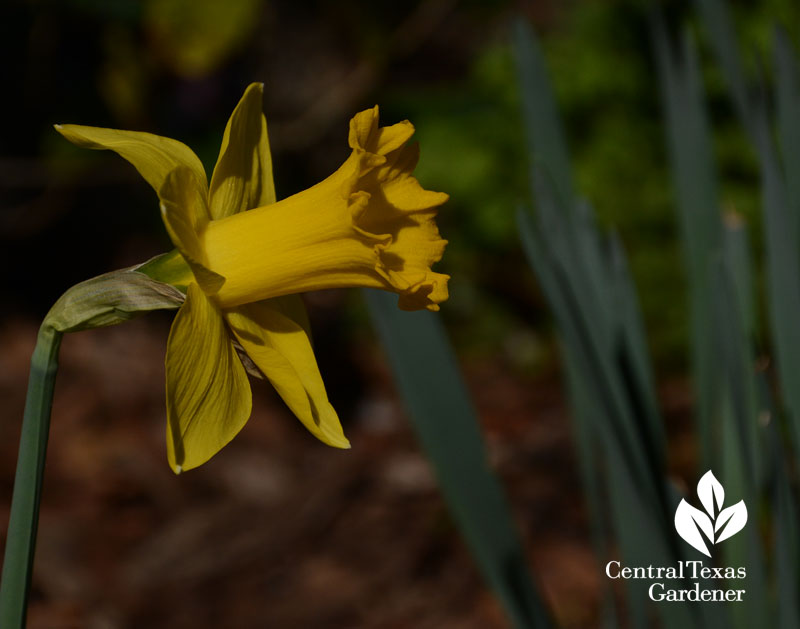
column 152, row 155
column 185, row 215
column 208, row 394
column 281, row 348
column 242, row 178
column 184, row 211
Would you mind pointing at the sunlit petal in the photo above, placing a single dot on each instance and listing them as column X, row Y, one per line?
column 152, row 155
column 280, row 347
column 242, row 178
column 208, row 394
column 185, row 216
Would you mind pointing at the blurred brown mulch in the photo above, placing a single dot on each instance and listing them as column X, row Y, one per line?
column 277, row 530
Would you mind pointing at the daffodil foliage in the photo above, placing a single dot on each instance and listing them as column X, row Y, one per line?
column 242, row 258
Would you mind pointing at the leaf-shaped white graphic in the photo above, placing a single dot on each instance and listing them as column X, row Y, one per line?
column 689, row 522
column 735, row 516
column 710, row 491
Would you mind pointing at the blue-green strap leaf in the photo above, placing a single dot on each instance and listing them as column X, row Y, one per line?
column 438, row 403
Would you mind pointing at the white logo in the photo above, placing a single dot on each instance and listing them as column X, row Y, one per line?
column 716, row 524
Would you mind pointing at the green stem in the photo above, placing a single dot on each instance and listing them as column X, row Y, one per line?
column 24, row 519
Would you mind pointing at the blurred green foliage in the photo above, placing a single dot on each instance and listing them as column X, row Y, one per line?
column 600, row 60
column 746, row 409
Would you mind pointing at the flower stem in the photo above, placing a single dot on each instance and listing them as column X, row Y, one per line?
column 24, row 519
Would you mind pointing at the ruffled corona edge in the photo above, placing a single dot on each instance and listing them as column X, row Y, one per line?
column 393, row 212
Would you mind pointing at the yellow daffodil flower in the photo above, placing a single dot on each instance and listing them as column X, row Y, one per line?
column 369, row 224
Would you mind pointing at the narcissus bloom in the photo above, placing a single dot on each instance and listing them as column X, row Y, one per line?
column 247, row 257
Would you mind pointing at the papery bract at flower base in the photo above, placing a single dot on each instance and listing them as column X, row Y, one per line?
column 369, row 224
